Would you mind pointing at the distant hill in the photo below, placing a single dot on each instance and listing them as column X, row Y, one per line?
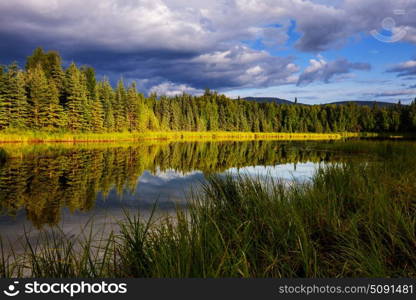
column 365, row 103
column 284, row 101
column 269, row 99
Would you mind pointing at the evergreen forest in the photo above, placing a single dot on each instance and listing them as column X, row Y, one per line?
column 45, row 96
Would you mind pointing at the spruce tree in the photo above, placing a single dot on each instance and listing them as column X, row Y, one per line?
column 18, row 100
column 106, row 95
column 120, row 107
column 90, row 80
column 76, row 98
column 52, row 114
column 97, row 121
column 132, row 107
column 38, row 57
column 4, row 115
column 55, row 72
column 10, row 95
column 87, row 103
column 39, row 93
column 51, row 64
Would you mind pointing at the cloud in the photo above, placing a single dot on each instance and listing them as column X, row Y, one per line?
column 197, row 26
column 325, row 27
column 241, row 66
column 195, row 43
column 171, row 89
column 407, row 68
column 394, row 93
column 238, row 66
column 321, row 70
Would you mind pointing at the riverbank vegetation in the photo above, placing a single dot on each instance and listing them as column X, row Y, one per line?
column 19, row 136
column 353, row 219
column 48, row 98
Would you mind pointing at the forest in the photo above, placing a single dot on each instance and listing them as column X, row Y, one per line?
column 45, row 96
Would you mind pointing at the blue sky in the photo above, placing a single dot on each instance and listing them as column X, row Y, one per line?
column 316, row 50
column 358, row 85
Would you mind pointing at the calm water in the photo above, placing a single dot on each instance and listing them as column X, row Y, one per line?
column 42, row 186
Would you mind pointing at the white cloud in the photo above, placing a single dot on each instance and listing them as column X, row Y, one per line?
column 321, row 70
column 171, row 89
column 198, row 43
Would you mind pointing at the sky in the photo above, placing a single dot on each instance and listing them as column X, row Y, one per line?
column 319, row 51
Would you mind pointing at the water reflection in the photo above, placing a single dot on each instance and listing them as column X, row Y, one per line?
column 42, row 184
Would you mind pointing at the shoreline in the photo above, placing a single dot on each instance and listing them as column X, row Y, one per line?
column 46, row 137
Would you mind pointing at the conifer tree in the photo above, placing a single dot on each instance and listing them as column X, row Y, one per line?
column 55, row 71
column 97, row 121
column 132, row 107
column 4, row 115
column 52, row 113
column 51, row 64
column 18, row 100
column 87, row 103
column 106, row 95
column 76, row 98
column 120, row 107
column 39, row 93
column 38, row 57
column 90, row 80
column 10, row 93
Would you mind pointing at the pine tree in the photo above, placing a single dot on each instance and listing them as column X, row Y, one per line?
column 37, row 58
column 10, row 95
column 76, row 98
column 132, row 107
column 120, row 107
column 55, row 71
column 52, row 113
column 87, row 103
column 90, row 79
column 18, row 99
column 51, row 64
column 106, row 95
column 39, row 93
column 97, row 120
column 4, row 114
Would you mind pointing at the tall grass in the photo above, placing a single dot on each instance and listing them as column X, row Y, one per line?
column 20, row 136
column 350, row 220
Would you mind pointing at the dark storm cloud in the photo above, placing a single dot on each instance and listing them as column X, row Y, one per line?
column 191, row 44
column 147, row 41
column 239, row 66
column 330, row 31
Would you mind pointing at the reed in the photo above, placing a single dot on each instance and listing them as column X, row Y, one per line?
column 19, row 136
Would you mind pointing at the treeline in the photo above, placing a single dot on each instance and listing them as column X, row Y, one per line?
column 45, row 96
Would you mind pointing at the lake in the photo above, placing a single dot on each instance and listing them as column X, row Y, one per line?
column 45, row 185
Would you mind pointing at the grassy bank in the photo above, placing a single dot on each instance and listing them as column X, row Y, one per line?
column 11, row 136
column 350, row 220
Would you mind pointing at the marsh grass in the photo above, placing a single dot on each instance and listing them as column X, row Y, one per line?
column 351, row 220
column 26, row 136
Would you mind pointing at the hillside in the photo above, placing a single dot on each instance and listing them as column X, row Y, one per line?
column 284, row 101
column 365, row 103
column 269, row 99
